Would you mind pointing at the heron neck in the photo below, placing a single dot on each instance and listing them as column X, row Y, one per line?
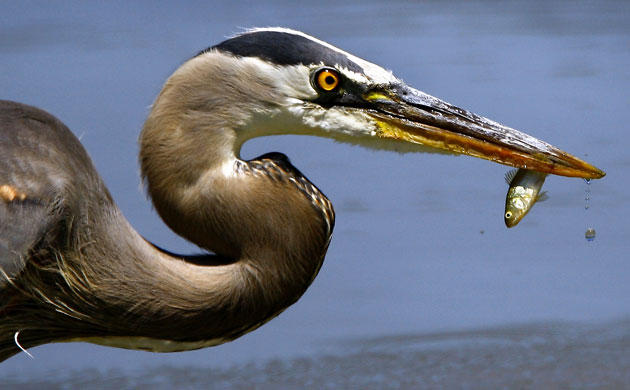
column 269, row 226
column 186, row 302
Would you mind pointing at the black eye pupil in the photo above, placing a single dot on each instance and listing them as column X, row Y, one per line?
column 329, row 80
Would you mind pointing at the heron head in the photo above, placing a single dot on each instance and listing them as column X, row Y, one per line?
column 280, row 81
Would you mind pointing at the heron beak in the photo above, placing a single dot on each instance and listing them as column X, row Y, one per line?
column 406, row 114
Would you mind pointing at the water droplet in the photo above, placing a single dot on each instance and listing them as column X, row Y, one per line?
column 590, row 234
column 588, row 181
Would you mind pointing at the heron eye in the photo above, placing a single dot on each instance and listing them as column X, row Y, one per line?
column 327, row 79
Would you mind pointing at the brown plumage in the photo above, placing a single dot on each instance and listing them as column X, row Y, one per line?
column 111, row 286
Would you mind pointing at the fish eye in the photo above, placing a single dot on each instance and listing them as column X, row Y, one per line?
column 326, row 79
column 508, row 214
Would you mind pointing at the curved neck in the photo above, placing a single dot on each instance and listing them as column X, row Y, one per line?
column 269, row 226
column 154, row 295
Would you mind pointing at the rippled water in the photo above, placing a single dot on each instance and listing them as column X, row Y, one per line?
column 422, row 283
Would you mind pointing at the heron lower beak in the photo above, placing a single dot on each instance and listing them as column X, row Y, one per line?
column 410, row 115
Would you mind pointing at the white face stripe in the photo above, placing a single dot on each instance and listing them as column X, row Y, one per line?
column 375, row 73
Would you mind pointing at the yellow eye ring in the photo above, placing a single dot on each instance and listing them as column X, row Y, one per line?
column 327, row 79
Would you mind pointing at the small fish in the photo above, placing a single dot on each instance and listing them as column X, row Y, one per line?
column 524, row 191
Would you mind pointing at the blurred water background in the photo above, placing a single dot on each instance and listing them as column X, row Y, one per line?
column 423, row 285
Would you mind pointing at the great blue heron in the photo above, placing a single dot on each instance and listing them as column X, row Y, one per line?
column 74, row 269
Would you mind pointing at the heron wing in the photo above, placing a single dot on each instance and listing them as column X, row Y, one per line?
column 42, row 166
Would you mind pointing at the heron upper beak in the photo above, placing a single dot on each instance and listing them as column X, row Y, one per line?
column 410, row 115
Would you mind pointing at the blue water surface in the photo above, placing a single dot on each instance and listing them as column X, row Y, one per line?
column 420, row 246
